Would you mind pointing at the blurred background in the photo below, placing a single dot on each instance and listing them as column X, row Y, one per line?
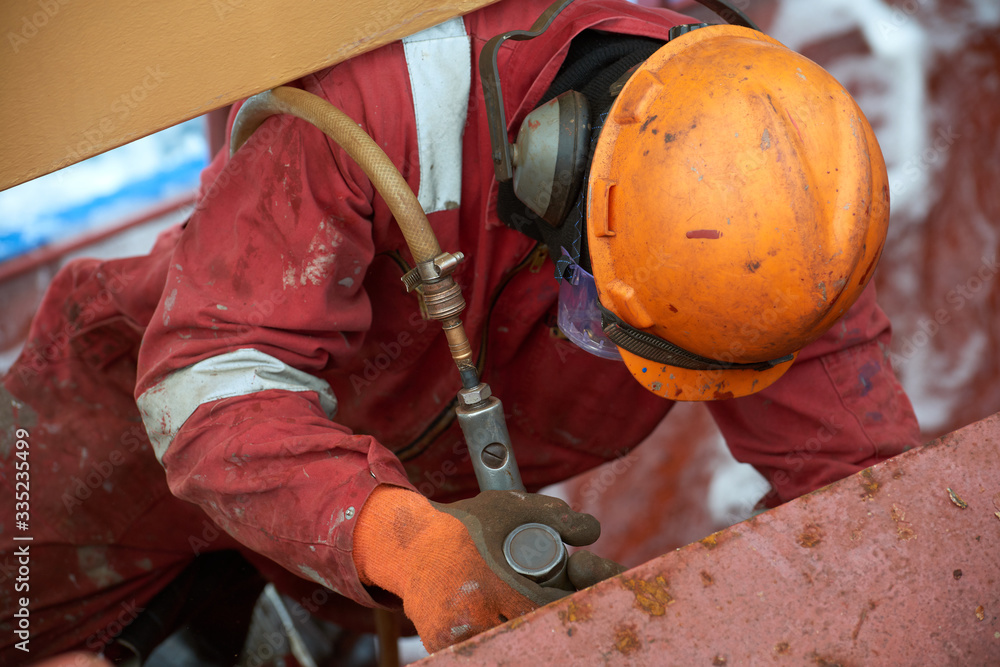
column 926, row 73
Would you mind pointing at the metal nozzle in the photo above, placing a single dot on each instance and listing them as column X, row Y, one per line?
column 536, row 551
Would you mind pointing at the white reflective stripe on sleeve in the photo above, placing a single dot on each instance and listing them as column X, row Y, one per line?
column 439, row 60
column 168, row 404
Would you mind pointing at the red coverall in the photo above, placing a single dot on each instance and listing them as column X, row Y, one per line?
column 291, row 253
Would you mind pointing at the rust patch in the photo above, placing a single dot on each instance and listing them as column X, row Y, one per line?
column 667, row 138
column 903, row 527
column 627, row 640
column 861, row 618
column 753, row 266
column 858, row 531
column 782, row 648
column 869, row 484
column 704, row 234
column 643, row 127
column 671, row 307
column 466, row 650
column 980, row 613
column 811, row 536
column 718, row 539
column 719, row 661
column 961, row 504
column 820, row 661
column 957, row 574
column 575, row 612
column 706, row 579
column 996, row 501
column 650, row 596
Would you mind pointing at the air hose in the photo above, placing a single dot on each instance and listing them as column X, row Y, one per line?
column 340, row 128
column 432, row 275
column 533, row 550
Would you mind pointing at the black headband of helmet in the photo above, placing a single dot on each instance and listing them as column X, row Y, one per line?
column 660, row 351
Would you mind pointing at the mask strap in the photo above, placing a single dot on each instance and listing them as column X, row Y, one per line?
column 489, row 74
column 730, row 14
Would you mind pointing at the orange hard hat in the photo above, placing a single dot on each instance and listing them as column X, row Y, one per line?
column 737, row 205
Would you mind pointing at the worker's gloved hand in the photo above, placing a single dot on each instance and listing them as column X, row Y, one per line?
column 442, row 559
column 585, row 569
column 492, row 515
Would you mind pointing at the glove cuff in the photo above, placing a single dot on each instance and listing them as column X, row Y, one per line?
column 390, row 528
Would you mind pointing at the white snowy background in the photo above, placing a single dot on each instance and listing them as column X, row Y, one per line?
column 103, row 191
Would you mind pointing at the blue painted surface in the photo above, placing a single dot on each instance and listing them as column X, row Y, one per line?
column 103, row 190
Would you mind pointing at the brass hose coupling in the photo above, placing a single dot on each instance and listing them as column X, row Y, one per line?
column 441, row 299
column 432, row 270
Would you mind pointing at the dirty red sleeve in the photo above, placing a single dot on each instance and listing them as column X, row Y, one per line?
column 838, row 410
column 273, row 259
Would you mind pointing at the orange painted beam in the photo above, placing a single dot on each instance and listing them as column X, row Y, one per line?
column 78, row 78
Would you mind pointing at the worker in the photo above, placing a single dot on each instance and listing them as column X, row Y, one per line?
column 262, row 381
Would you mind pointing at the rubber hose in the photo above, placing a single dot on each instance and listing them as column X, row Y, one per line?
column 337, row 125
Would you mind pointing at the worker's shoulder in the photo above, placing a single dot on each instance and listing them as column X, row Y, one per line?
column 480, row 25
column 383, row 72
column 362, row 84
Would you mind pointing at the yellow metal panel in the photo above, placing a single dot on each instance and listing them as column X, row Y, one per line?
column 78, row 78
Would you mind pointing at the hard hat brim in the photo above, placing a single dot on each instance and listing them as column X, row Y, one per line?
column 681, row 384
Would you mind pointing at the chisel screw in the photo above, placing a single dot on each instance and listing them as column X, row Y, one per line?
column 494, row 455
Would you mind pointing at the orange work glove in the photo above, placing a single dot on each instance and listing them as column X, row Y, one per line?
column 446, row 561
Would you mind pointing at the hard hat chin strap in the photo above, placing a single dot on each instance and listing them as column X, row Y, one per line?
column 662, row 351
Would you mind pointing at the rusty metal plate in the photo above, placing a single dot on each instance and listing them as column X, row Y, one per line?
column 897, row 565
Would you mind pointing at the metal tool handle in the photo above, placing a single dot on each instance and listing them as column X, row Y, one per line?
column 533, row 550
column 480, row 415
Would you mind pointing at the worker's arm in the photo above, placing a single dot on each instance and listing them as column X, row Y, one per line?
column 264, row 292
column 838, row 410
